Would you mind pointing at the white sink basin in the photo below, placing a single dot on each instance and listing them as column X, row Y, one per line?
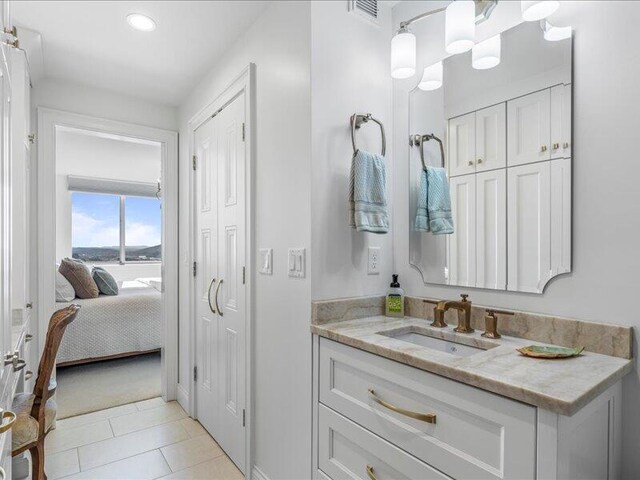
column 451, row 345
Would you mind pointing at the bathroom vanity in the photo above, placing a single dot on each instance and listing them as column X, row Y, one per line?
column 397, row 398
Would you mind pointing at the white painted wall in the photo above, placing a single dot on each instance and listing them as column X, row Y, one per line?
column 349, row 74
column 91, row 156
column 62, row 95
column 606, row 196
column 279, row 44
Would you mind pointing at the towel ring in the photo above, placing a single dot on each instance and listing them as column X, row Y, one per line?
column 357, row 119
column 418, row 140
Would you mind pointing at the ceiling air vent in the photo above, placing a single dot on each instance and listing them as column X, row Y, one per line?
column 365, row 8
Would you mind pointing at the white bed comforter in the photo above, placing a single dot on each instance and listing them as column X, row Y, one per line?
column 110, row 325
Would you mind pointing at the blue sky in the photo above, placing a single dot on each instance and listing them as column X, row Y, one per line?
column 95, row 220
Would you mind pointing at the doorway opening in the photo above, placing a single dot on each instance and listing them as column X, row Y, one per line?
column 108, row 199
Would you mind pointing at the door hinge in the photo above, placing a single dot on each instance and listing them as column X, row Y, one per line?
column 32, row 138
column 195, row 269
column 244, row 417
column 243, row 275
column 243, row 132
column 194, row 162
column 195, row 374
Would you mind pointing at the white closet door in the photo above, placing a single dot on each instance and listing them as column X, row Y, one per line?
column 528, row 231
column 561, row 216
column 491, row 142
column 491, row 237
column 566, row 121
column 529, row 128
column 462, row 145
column 462, row 243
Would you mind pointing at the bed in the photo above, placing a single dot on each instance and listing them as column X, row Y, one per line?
column 113, row 326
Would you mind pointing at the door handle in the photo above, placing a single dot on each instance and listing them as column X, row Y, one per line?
column 213, row 310
column 216, row 298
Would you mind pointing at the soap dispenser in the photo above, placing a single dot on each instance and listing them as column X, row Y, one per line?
column 395, row 299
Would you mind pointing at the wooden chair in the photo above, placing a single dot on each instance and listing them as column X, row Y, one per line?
column 36, row 412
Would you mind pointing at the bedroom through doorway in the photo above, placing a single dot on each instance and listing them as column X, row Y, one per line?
column 109, row 252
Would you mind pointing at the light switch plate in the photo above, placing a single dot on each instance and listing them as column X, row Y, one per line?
column 265, row 261
column 374, row 261
column 296, row 262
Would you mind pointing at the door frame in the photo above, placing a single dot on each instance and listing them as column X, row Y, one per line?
column 48, row 121
column 243, row 83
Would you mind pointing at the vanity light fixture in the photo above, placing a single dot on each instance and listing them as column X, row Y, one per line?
column 141, row 22
column 460, row 26
column 461, row 18
column 533, row 10
column 555, row 34
column 431, row 77
column 403, row 54
column 486, row 54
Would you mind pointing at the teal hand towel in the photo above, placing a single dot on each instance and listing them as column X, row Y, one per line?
column 367, row 193
column 434, row 203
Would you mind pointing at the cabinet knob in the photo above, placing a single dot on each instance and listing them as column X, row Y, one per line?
column 28, row 374
column 556, row 146
column 28, row 337
column 8, row 418
column 470, row 163
column 565, row 145
column 543, row 148
column 479, row 160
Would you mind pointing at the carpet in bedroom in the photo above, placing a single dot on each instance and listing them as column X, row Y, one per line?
column 97, row 386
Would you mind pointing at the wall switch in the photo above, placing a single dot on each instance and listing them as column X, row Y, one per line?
column 374, row 261
column 265, row 261
column 296, row 262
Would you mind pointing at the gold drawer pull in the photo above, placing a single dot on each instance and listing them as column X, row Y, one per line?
column 425, row 417
column 19, row 364
column 10, row 417
column 28, row 374
column 370, row 472
column 28, row 337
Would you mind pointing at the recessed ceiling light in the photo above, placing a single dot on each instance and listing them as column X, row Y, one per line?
column 141, row 22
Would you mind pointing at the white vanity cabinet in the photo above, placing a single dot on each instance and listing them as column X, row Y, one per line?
column 477, row 248
column 477, row 141
column 379, row 419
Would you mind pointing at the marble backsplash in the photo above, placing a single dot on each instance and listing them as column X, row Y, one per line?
column 603, row 338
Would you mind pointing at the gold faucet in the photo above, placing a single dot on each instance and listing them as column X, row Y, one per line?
column 464, row 314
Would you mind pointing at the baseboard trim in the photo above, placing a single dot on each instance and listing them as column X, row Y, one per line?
column 257, row 474
column 183, row 398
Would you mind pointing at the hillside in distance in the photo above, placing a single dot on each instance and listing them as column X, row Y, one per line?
column 112, row 254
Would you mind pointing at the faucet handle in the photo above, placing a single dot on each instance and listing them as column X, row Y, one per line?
column 491, row 322
column 464, row 296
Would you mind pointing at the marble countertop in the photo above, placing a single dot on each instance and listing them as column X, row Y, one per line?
column 562, row 386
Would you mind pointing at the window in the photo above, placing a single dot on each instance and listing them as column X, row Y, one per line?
column 115, row 228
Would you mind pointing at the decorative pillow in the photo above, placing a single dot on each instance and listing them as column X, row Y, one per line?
column 64, row 290
column 80, row 277
column 105, row 281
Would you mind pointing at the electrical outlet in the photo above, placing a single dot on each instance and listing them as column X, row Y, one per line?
column 374, row 261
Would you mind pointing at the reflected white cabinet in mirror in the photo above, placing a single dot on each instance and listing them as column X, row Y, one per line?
column 507, row 141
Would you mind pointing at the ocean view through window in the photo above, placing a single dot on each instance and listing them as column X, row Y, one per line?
column 115, row 228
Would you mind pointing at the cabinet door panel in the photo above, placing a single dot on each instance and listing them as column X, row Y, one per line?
column 491, row 143
column 462, row 243
column 529, row 130
column 528, row 232
column 491, row 238
column 560, row 216
column 566, row 121
column 462, row 144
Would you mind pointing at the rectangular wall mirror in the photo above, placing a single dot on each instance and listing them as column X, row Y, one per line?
column 506, row 135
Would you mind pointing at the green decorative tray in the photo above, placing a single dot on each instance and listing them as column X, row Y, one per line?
column 541, row 351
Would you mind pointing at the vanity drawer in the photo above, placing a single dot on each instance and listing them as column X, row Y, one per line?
column 348, row 451
column 476, row 434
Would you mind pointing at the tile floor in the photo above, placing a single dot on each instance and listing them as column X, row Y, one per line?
column 140, row 441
